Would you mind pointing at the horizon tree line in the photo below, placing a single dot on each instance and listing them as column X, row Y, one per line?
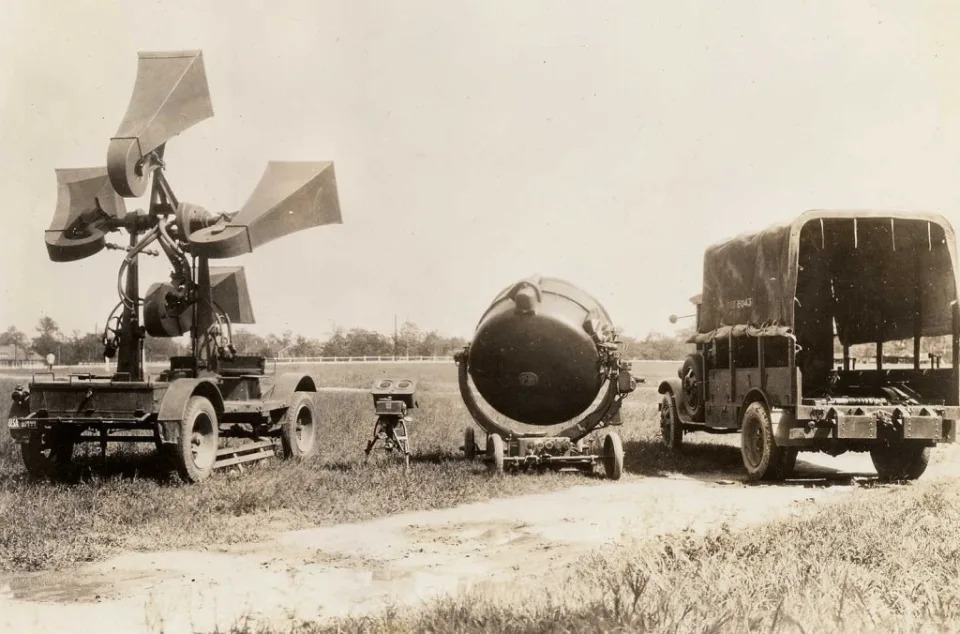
column 408, row 341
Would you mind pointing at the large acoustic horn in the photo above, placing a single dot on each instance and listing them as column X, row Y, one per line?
column 228, row 286
column 87, row 208
column 289, row 197
column 169, row 96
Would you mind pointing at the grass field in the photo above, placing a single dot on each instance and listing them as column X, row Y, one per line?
column 127, row 504
column 887, row 560
column 884, row 559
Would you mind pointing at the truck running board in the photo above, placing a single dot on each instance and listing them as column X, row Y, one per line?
column 247, row 452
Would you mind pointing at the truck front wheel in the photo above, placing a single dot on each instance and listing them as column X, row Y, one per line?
column 671, row 429
column 900, row 461
column 762, row 458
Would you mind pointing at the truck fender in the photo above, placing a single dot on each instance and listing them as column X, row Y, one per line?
column 756, row 395
column 752, row 396
column 174, row 401
column 782, row 422
column 673, row 387
column 290, row 382
column 669, row 386
column 179, row 392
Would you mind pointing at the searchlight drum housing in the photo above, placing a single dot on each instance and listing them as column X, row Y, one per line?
column 545, row 353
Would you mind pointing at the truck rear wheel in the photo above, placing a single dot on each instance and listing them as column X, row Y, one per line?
column 196, row 451
column 298, row 431
column 900, row 461
column 46, row 453
column 762, row 458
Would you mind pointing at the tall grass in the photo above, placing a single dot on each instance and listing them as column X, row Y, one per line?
column 885, row 560
column 126, row 502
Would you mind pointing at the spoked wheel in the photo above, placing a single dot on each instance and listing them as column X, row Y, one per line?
column 613, row 456
column 762, row 458
column 199, row 438
column 298, row 430
column 47, row 453
column 494, row 454
column 900, row 461
column 469, row 443
column 691, row 381
column 671, row 429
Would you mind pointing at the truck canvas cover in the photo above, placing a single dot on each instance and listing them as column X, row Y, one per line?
column 879, row 276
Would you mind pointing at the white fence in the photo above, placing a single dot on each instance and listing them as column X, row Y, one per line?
column 365, row 359
column 9, row 363
column 332, row 360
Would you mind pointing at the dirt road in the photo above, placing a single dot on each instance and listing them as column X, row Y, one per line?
column 401, row 560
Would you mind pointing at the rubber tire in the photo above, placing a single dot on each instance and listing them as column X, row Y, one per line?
column 469, row 443
column 756, row 429
column 692, row 365
column 494, row 454
column 613, row 456
column 405, row 444
column 198, row 408
column 900, row 461
column 299, row 446
column 671, row 429
column 38, row 464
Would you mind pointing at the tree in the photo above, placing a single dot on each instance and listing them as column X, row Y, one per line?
column 81, row 348
column 408, row 339
column 336, row 345
column 657, row 346
column 304, row 347
column 161, row 348
column 278, row 344
column 362, row 342
column 48, row 338
column 14, row 337
column 249, row 343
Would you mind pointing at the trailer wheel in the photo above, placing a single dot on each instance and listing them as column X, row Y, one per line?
column 613, row 456
column 298, row 430
column 469, row 443
column 47, row 453
column 762, row 458
column 494, row 454
column 900, row 461
column 671, row 429
column 196, row 451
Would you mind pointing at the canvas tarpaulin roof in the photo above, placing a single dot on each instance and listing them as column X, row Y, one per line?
column 879, row 275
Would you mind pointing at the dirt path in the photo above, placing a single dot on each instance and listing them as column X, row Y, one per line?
column 401, row 560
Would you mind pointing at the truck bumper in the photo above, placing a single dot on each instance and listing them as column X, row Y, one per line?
column 824, row 424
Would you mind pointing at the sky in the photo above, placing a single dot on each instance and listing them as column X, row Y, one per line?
column 478, row 143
